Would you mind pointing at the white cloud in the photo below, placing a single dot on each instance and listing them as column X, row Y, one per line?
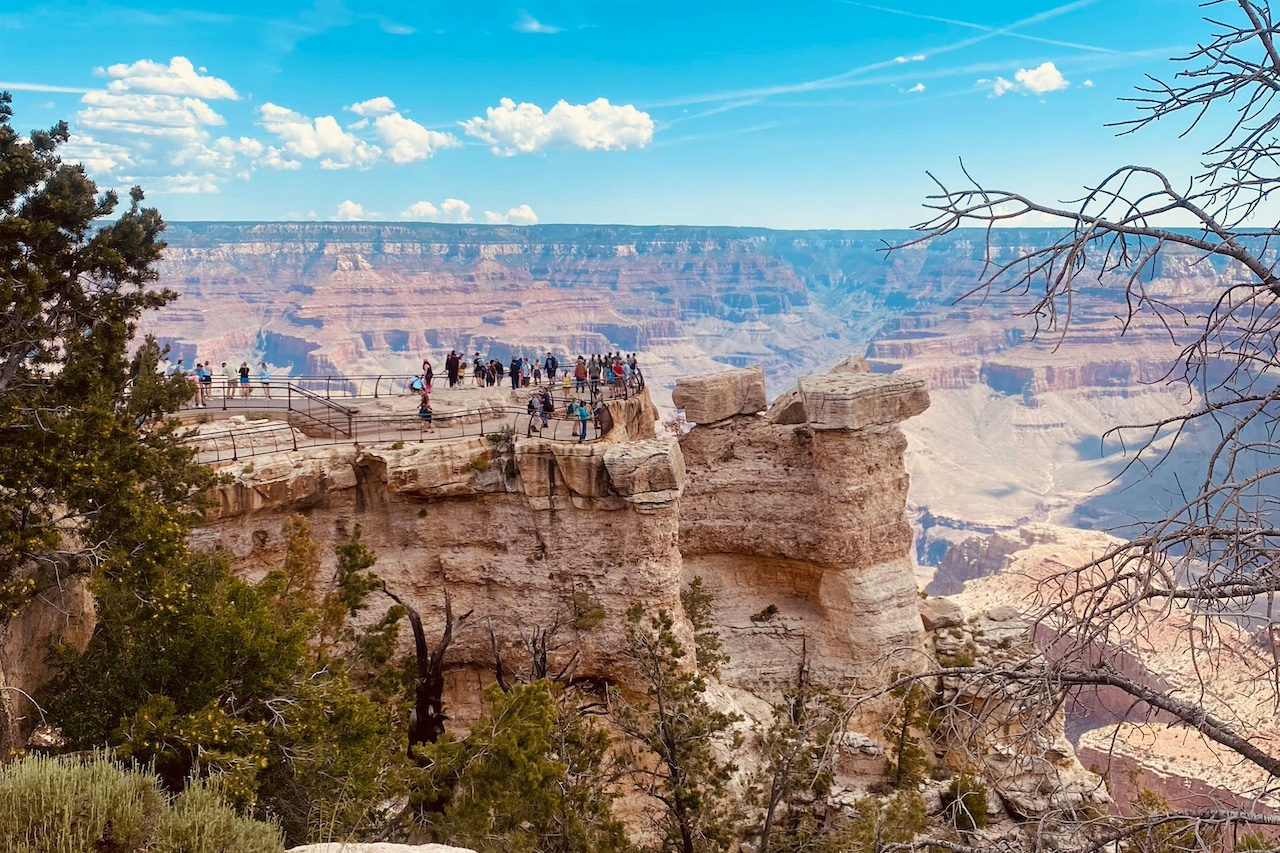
column 320, row 139
column 349, row 211
column 450, row 210
column 179, row 77
column 919, row 87
column 187, row 183
column 522, row 215
column 379, row 106
column 512, row 129
column 100, row 158
column 902, row 60
column 1045, row 78
column 1088, row 84
column 151, row 126
column 529, row 24
column 147, row 114
column 1000, row 86
column 1037, row 81
column 407, row 141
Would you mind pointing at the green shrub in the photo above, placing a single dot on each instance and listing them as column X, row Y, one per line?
column 59, row 805
column 481, row 463
column 398, row 445
column 965, row 803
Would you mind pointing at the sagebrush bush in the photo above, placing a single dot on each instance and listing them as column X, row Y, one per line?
column 57, row 805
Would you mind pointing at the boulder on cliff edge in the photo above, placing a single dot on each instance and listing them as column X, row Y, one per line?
column 715, row 397
column 647, row 472
column 860, row 400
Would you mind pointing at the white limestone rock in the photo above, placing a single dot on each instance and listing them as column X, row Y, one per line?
column 647, row 472
column 707, row 399
column 853, row 401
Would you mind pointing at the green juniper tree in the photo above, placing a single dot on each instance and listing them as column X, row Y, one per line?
column 204, row 674
column 681, row 730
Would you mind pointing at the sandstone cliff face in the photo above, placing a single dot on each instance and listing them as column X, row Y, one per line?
column 524, row 534
column 61, row 614
column 799, row 531
column 807, row 518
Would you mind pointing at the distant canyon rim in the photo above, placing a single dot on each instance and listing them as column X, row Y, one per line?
column 1015, row 432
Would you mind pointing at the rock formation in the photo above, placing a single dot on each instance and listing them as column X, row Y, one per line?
column 799, row 531
column 803, row 522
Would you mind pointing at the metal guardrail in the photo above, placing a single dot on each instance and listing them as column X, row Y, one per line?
column 243, row 442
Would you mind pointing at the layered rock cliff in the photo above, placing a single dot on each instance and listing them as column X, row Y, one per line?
column 803, row 522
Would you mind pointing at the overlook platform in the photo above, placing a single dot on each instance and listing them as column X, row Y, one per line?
column 317, row 411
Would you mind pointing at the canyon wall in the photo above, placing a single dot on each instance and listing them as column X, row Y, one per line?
column 802, row 521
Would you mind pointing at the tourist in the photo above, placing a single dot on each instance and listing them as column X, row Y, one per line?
column 245, row 390
column 264, row 377
column 551, row 365
column 548, row 406
column 537, row 374
column 478, row 371
column 451, row 368
column 514, row 371
column 230, row 374
column 204, row 382
column 424, row 410
column 593, row 372
column 534, row 408
column 428, row 373
column 526, row 371
column 584, row 415
column 580, row 375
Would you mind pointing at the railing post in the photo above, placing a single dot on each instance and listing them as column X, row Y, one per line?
column 234, row 456
column 376, row 383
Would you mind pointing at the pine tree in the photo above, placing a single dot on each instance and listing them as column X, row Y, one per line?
column 682, row 731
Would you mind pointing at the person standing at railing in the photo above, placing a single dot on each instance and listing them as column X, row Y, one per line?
column 526, row 371
column 535, row 410
column 245, row 390
column 264, row 377
column 584, row 415
column 230, row 374
column 548, row 406
column 424, row 410
column 580, row 375
column 593, row 371
column 478, row 371
column 428, row 373
column 451, row 365
column 551, row 365
column 514, row 370
column 201, row 385
column 537, row 374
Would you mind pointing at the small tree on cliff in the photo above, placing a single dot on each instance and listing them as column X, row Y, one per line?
column 1212, row 553
column 682, row 732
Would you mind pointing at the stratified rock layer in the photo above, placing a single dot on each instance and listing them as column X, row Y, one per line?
column 854, row 401
column 800, row 534
column 529, row 533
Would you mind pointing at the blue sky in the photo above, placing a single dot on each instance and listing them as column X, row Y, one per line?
column 804, row 114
